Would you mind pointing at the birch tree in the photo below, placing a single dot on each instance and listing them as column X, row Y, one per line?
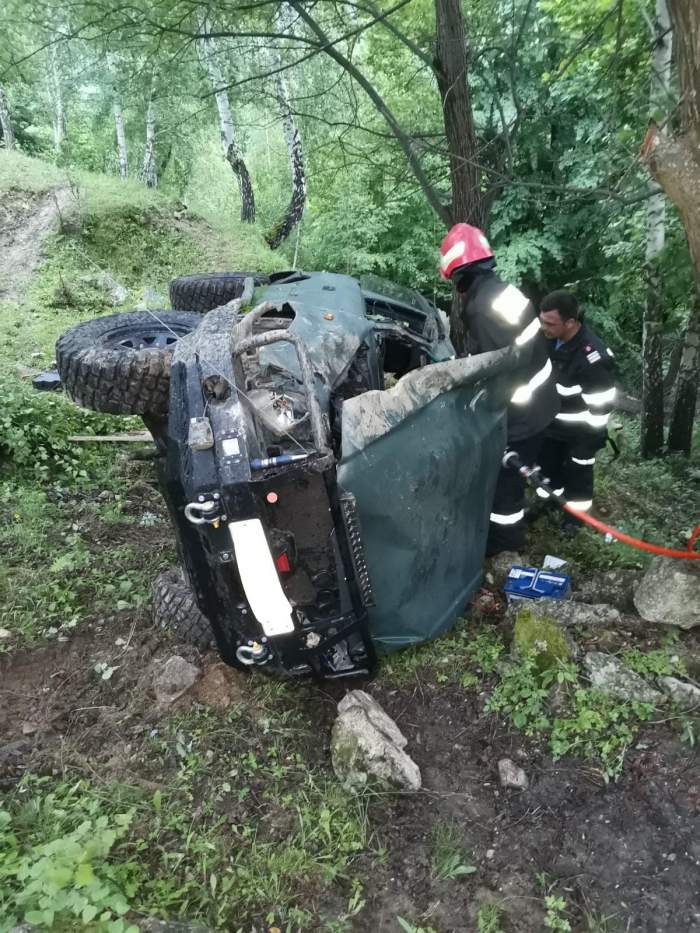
column 209, row 53
column 118, row 112
column 8, row 136
column 652, row 429
column 150, row 170
column 56, row 93
column 284, row 23
column 674, row 160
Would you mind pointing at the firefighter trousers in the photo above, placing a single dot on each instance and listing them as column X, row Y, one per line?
column 569, row 468
column 507, row 527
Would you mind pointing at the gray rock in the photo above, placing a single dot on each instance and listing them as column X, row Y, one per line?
column 681, row 692
column 172, row 679
column 569, row 613
column 609, row 676
column 511, row 775
column 670, row 593
column 611, row 587
column 498, row 567
column 361, row 751
column 375, row 713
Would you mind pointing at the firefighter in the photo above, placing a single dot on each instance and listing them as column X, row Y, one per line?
column 498, row 315
column 585, row 379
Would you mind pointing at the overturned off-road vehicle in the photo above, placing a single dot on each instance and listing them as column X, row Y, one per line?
column 327, row 462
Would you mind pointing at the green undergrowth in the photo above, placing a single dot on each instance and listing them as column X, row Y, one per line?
column 239, row 827
column 535, row 685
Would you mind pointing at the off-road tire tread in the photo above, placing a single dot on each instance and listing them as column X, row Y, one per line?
column 175, row 609
column 116, row 381
column 206, row 291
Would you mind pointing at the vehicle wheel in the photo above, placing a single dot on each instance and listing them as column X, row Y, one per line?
column 175, row 609
column 210, row 290
column 120, row 363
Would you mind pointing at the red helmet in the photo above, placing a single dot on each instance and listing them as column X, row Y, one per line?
column 463, row 245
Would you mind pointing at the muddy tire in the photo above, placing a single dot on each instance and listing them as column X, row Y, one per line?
column 210, row 290
column 120, row 364
column 175, row 609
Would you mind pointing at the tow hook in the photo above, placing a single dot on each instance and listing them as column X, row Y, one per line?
column 205, row 512
column 252, row 654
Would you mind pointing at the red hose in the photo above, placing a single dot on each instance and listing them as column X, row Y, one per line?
column 688, row 554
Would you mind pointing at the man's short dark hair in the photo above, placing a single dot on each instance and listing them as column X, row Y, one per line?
column 563, row 302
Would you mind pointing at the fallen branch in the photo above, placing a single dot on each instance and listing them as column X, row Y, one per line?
column 128, row 437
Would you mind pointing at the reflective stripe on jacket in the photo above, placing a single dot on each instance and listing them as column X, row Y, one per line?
column 497, row 316
column 584, row 372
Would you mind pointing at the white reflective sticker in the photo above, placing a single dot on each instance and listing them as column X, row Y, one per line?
column 523, row 394
column 532, row 329
column 510, row 304
column 593, row 357
column 600, row 398
column 511, row 519
column 581, row 506
column 589, row 462
column 454, row 252
column 261, row 583
column 568, row 390
column 230, row 447
column 586, row 417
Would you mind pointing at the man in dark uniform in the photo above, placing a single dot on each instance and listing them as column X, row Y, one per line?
column 499, row 315
column 585, row 379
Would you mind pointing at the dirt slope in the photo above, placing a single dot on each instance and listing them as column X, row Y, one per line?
column 25, row 220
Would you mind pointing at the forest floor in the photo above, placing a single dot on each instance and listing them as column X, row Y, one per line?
column 223, row 808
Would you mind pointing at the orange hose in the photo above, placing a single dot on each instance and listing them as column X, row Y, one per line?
column 688, row 554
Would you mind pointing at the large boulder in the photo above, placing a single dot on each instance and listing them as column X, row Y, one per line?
column 670, row 592
column 612, row 587
column 367, row 745
column 609, row 676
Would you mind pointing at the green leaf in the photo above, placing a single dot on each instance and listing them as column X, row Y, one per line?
column 84, row 875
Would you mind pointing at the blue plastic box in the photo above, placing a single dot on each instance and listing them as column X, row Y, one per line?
column 532, row 583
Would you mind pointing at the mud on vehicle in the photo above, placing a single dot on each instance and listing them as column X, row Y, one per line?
column 327, row 462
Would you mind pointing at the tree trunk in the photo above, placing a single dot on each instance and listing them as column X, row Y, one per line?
column 121, row 138
column 684, row 402
column 450, row 68
column 59, row 113
column 295, row 208
column 675, row 164
column 652, row 426
column 8, row 136
column 150, row 172
column 234, row 156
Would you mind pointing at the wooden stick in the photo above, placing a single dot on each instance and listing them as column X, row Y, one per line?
column 129, row 437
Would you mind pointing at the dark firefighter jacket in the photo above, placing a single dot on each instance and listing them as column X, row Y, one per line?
column 499, row 315
column 585, row 379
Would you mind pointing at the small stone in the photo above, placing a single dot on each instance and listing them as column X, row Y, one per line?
column 609, row 676
column 105, row 496
column 669, row 593
column 498, row 567
column 29, row 728
column 511, row 775
column 5, row 633
column 172, row 679
column 686, row 695
column 490, row 853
